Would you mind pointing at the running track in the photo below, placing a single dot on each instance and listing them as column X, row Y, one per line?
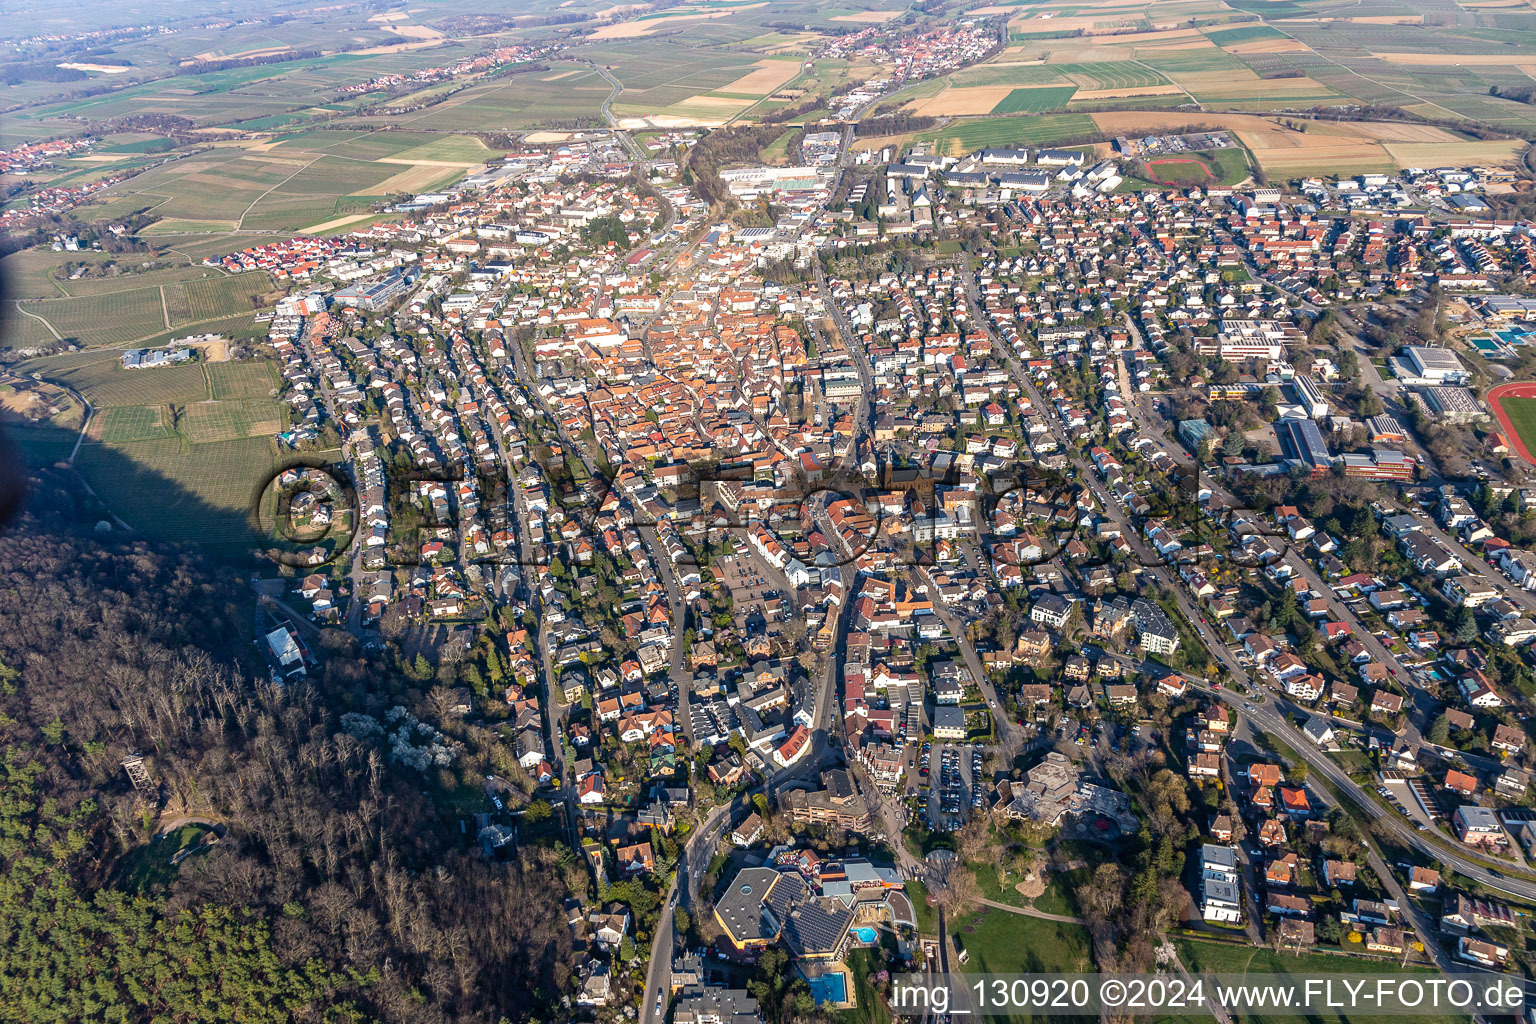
column 1495, row 397
column 1152, row 166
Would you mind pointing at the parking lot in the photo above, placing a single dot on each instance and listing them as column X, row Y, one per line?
column 750, row 585
column 954, row 787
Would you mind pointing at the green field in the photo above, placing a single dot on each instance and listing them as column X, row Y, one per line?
column 1114, row 74
column 1242, row 34
column 1217, row 167
column 176, row 452
column 1000, row 942
column 1038, row 100
column 1012, row 74
column 17, row 330
column 112, row 318
column 130, row 423
column 171, row 490
column 962, row 136
column 1224, row 958
column 868, row 1009
column 1522, row 417
column 777, row 151
column 927, row 918
column 241, row 380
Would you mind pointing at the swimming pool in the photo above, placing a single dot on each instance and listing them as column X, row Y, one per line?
column 829, row 988
column 865, row 934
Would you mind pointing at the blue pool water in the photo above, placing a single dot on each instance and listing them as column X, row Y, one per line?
column 829, row 988
column 1485, row 344
column 865, row 934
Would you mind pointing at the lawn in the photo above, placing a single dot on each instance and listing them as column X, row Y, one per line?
column 1235, row 958
column 869, row 1008
column 1036, row 100
column 1060, row 896
column 1180, row 170
column 927, row 918
column 1003, row 943
column 149, row 866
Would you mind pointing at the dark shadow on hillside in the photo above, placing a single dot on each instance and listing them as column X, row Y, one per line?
column 227, row 535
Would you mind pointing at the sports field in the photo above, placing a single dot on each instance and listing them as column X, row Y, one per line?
column 1514, row 405
column 1180, row 170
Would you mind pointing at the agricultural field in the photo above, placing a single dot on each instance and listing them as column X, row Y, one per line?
column 113, row 318
column 1325, row 148
column 175, row 491
column 663, row 73
column 962, row 137
column 245, row 379
column 1010, row 74
column 233, row 189
column 107, row 311
column 18, row 330
column 130, row 423
column 176, row 452
column 1242, row 34
column 1035, row 100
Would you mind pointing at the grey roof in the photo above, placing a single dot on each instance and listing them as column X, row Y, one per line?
column 741, row 904
column 947, row 716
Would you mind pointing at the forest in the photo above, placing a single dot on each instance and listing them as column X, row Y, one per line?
column 341, row 890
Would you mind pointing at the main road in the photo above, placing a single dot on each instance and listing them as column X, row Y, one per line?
column 1266, row 716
